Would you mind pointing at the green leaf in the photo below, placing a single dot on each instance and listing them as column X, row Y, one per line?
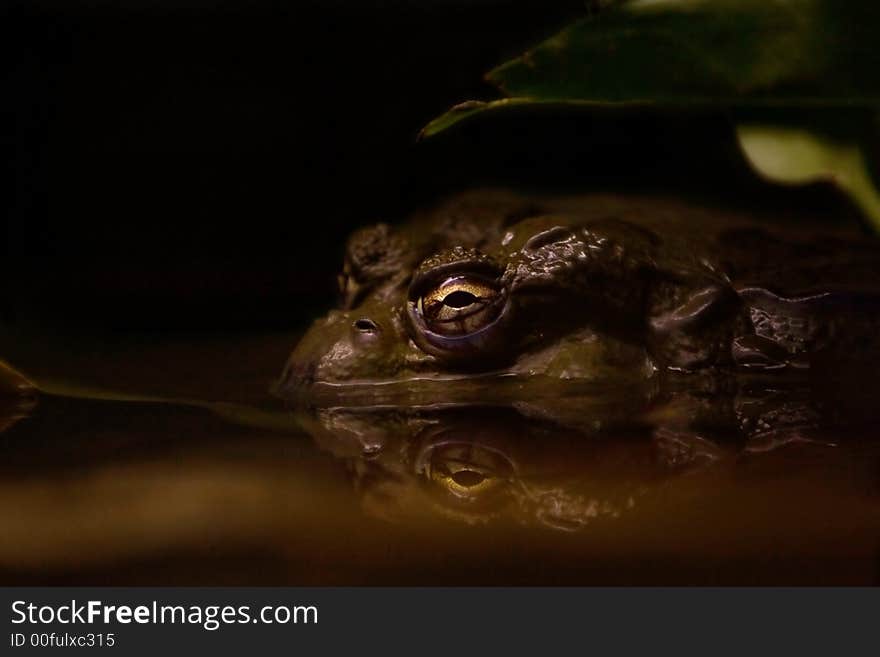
column 251, row 416
column 12, row 382
column 729, row 52
column 469, row 109
column 793, row 154
column 783, row 57
column 466, row 110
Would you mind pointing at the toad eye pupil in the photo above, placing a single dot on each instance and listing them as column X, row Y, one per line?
column 459, row 299
column 468, row 478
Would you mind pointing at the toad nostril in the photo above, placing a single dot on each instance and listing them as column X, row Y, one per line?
column 365, row 325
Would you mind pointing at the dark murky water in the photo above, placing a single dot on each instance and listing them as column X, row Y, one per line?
column 198, row 476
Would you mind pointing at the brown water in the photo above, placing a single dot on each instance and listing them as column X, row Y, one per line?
column 185, row 470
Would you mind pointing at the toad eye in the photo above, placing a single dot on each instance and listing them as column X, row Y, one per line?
column 459, row 306
column 467, row 473
column 465, row 481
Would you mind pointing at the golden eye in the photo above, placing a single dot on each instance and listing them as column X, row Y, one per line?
column 465, row 480
column 468, row 473
column 459, row 306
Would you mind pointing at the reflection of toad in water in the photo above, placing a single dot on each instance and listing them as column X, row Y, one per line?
column 562, row 463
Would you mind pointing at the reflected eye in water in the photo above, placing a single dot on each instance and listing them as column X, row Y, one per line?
column 454, row 316
column 468, row 474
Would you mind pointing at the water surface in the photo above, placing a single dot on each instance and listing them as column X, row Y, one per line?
column 166, row 461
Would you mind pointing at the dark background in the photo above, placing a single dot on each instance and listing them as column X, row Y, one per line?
column 196, row 167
